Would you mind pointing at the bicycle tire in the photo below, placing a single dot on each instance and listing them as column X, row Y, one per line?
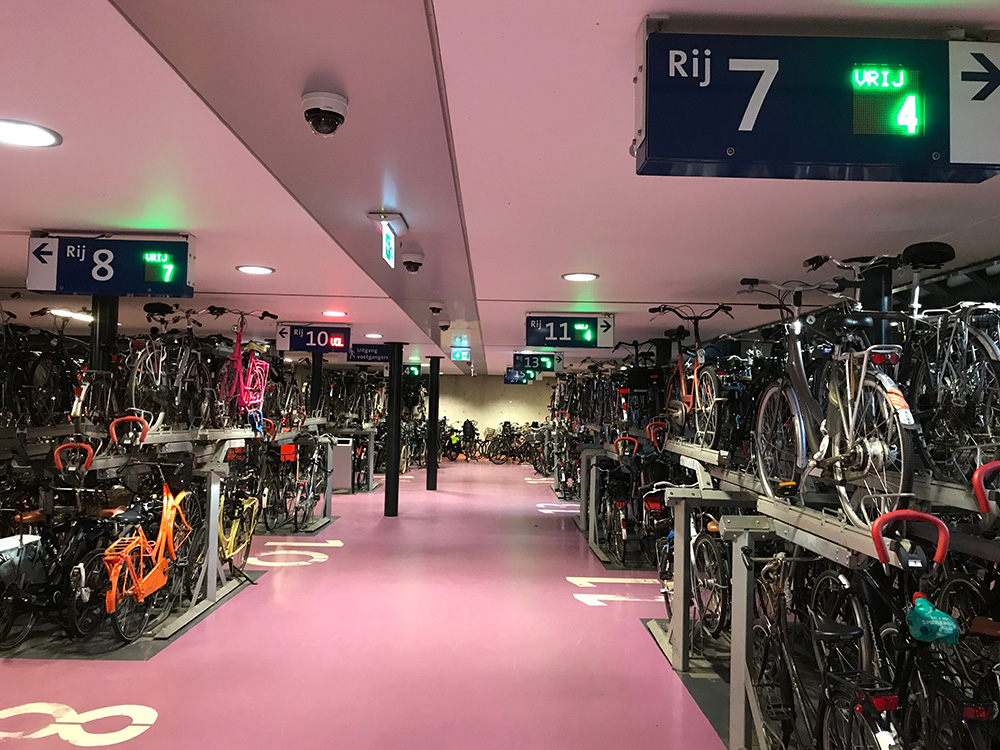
column 616, row 537
column 877, row 423
column 130, row 615
column 954, row 425
column 831, row 600
column 779, row 438
column 275, row 505
column 199, row 401
column 706, row 411
column 16, row 617
column 710, row 585
column 773, row 687
column 85, row 608
column 49, row 394
column 675, row 420
column 142, row 386
column 841, row 727
column 245, row 532
column 498, row 452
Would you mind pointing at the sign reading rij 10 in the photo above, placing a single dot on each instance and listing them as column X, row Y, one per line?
column 577, row 331
column 116, row 267
column 818, row 108
column 300, row 337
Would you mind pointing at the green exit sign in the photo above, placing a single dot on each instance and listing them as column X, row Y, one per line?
column 388, row 245
column 461, row 354
column 887, row 100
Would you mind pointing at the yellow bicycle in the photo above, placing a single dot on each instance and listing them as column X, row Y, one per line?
column 237, row 522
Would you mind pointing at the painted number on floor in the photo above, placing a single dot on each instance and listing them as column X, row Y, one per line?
column 70, row 726
column 297, row 555
column 601, row 600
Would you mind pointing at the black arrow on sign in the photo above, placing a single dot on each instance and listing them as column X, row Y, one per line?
column 283, row 332
column 605, row 326
column 41, row 254
column 990, row 75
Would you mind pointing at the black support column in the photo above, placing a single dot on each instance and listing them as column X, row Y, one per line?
column 315, row 382
column 392, row 446
column 433, row 416
column 876, row 294
column 103, row 331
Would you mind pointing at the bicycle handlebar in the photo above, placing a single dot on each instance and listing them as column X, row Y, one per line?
column 905, row 514
column 87, row 449
column 114, row 435
column 979, row 477
column 723, row 308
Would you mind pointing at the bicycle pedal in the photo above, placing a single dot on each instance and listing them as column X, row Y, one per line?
column 788, row 489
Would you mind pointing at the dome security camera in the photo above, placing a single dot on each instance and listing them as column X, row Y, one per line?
column 325, row 112
column 412, row 261
column 436, row 308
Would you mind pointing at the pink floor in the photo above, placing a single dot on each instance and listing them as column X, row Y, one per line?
column 451, row 626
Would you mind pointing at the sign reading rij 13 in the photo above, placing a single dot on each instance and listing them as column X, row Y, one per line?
column 818, row 107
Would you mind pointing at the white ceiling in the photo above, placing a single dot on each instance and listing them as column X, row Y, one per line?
column 186, row 116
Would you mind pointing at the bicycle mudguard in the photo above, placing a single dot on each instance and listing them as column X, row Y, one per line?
column 896, row 399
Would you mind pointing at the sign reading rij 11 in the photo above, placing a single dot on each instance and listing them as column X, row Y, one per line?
column 819, row 108
column 578, row 331
column 302, row 337
column 122, row 267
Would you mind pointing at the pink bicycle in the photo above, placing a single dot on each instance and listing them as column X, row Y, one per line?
column 242, row 379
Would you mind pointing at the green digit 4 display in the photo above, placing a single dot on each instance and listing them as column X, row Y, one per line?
column 887, row 100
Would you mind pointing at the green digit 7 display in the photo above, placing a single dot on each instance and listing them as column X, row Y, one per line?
column 887, row 100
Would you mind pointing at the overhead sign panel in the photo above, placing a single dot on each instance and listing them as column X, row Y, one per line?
column 540, row 362
column 819, row 108
column 516, row 377
column 116, row 267
column 461, row 354
column 570, row 330
column 313, row 337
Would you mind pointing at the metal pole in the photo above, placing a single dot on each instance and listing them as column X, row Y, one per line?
column 103, row 331
column 876, row 294
column 433, row 398
column 392, row 447
column 315, row 382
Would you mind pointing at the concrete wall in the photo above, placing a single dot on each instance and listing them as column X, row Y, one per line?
column 487, row 401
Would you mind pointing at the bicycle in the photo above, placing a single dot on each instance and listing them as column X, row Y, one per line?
column 693, row 388
column 238, row 509
column 242, row 388
column 859, row 437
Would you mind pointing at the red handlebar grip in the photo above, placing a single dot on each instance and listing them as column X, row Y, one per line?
column 940, row 552
column 556, row 415
column 651, row 425
column 979, row 478
column 87, row 462
column 635, row 444
column 114, row 435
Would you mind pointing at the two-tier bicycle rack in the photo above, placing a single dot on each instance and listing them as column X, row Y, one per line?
column 822, row 532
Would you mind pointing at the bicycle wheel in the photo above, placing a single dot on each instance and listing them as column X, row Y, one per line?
column 711, row 585
column 841, row 727
column 49, row 394
column 194, row 550
column 779, row 439
column 244, row 535
column 676, row 414
column 130, row 616
column 275, row 504
column 226, row 389
column 143, row 387
column 833, row 601
column 879, row 464
column 199, row 401
column 957, row 405
column 706, row 409
column 962, row 598
column 85, row 608
column 498, row 452
column 616, row 536
column 17, row 617
column 773, row 687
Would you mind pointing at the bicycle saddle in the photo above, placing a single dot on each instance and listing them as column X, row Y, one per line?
column 680, row 333
column 157, row 308
column 830, row 631
column 986, row 627
column 928, row 255
column 849, row 322
column 30, row 517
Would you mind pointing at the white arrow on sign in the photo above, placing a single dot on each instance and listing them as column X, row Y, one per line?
column 974, row 102
column 589, row 583
column 598, row 600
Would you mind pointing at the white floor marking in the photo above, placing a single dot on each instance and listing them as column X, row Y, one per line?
column 589, row 583
column 598, row 600
column 68, row 725
column 558, row 508
column 311, row 555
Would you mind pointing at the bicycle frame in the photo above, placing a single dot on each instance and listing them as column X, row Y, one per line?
column 159, row 554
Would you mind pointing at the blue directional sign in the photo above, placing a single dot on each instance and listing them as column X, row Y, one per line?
column 579, row 331
column 378, row 353
column 541, row 362
column 309, row 337
column 118, row 267
column 819, row 108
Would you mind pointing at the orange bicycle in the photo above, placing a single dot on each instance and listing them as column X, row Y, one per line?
column 694, row 387
column 139, row 570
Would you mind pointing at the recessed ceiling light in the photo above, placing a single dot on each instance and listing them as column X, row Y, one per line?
column 255, row 270
column 334, row 314
column 289, row 359
column 580, row 276
column 373, row 335
column 414, row 359
column 74, row 315
column 15, row 133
